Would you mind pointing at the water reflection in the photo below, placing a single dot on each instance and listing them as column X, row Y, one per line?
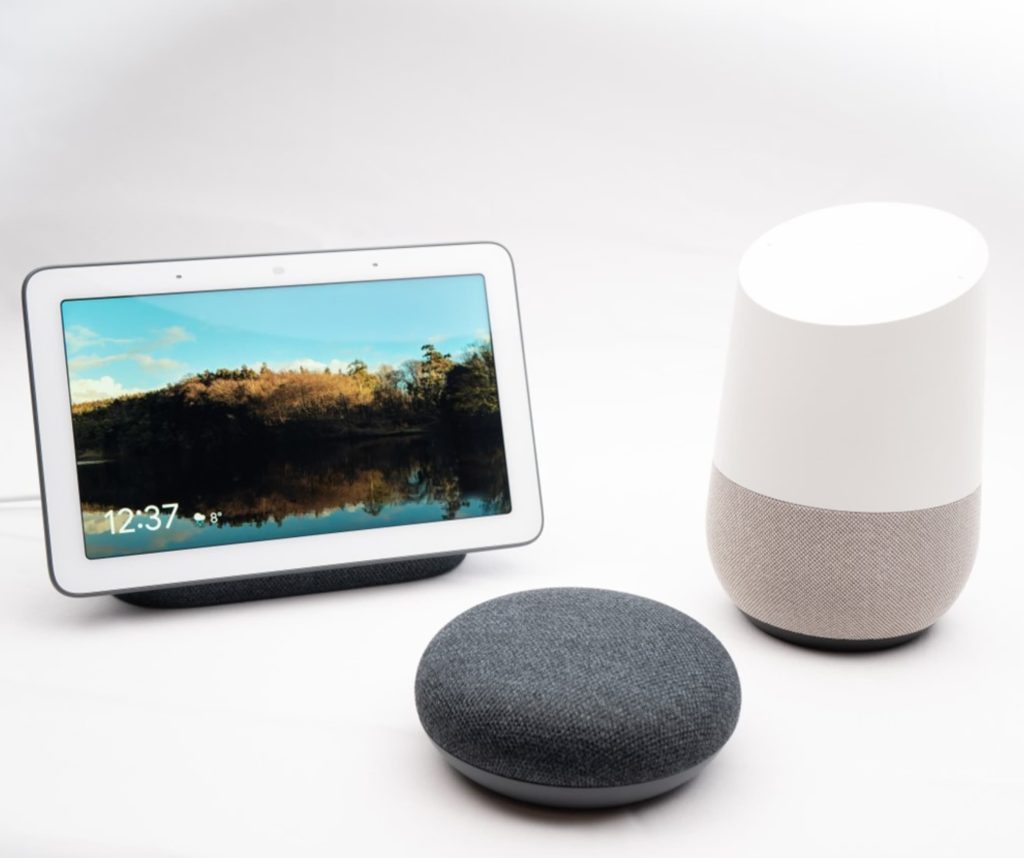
column 275, row 492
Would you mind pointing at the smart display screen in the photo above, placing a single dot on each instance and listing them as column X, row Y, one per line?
column 216, row 417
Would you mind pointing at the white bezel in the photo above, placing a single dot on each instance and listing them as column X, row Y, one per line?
column 75, row 574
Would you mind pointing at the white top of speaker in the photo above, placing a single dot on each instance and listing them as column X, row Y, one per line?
column 863, row 264
column 855, row 372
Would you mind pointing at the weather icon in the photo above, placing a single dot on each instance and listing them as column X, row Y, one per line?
column 210, row 519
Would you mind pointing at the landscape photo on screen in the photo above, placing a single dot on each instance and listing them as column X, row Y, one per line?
column 207, row 418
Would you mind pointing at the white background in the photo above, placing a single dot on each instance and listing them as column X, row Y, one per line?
column 626, row 153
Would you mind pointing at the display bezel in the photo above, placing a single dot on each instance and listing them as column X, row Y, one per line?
column 75, row 574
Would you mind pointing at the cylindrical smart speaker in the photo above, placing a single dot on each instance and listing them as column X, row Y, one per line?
column 845, row 493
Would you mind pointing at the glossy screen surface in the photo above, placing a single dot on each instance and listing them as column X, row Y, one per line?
column 228, row 416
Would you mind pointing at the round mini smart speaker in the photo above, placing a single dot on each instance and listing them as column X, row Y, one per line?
column 845, row 494
column 577, row 697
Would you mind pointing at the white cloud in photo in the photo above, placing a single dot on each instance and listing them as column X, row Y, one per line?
column 91, row 389
column 170, row 336
column 79, row 337
column 310, row 365
column 146, row 361
column 143, row 360
column 307, row 364
column 91, row 361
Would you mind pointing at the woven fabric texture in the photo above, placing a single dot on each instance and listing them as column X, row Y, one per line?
column 836, row 574
column 577, row 688
column 292, row 583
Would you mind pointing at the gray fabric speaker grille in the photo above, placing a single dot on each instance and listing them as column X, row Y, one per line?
column 836, row 574
column 577, row 688
column 292, row 583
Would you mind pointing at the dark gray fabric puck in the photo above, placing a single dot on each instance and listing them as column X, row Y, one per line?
column 577, row 697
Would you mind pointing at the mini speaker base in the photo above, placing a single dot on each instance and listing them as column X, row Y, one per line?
column 292, row 583
column 833, row 644
column 571, row 797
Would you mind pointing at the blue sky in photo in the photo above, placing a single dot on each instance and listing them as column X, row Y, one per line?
column 130, row 344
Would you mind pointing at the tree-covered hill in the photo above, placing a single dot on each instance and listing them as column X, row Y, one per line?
column 219, row 408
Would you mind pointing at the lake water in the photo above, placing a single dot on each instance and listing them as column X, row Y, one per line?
column 322, row 486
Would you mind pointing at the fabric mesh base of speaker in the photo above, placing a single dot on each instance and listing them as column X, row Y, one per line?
column 838, row 575
column 581, row 689
column 292, row 583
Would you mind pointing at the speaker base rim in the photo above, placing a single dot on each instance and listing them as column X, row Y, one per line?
column 833, row 644
column 575, row 798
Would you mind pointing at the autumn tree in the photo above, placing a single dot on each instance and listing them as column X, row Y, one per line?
column 360, row 373
column 429, row 376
